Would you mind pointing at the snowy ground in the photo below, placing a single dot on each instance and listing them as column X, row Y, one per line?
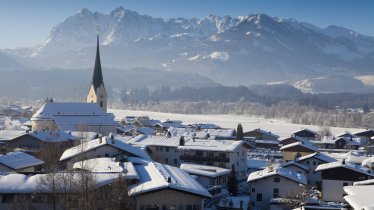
column 279, row 127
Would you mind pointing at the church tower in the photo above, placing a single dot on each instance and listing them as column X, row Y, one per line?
column 97, row 93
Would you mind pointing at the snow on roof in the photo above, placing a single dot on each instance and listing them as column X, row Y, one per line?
column 297, row 138
column 107, row 165
column 11, row 134
column 345, row 134
column 205, row 126
column 70, row 116
column 365, row 182
column 93, row 144
column 212, row 133
column 307, row 130
column 197, row 144
column 46, row 136
column 146, row 131
column 286, row 173
column 349, row 166
column 358, row 196
column 349, row 157
column 264, row 132
column 18, row 160
column 267, row 141
column 317, row 155
column 20, row 183
column 204, row 170
column 305, row 145
column 368, row 162
column 289, row 163
column 156, row 176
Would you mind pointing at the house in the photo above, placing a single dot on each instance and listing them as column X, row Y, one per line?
column 337, row 143
column 167, row 187
column 346, row 135
column 177, row 150
column 211, row 177
column 268, row 144
column 306, row 134
column 274, row 183
column 297, row 149
column 365, row 136
column 69, row 116
column 35, row 141
column 19, row 162
column 336, row 175
column 259, row 134
column 101, row 147
column 312, row 161
column 357, row 195
column 144, row 121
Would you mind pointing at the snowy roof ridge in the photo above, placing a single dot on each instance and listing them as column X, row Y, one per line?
column 265, row 132
column 286, row 173
column 155, row 176
column 99, row 142
column 319, row 156
column 18, row 160
column 350, row 166
column 204, row 170
column 358, row 196
column 305, row 129
column 306, row 145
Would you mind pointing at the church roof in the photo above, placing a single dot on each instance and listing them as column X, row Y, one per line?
column 97, row 77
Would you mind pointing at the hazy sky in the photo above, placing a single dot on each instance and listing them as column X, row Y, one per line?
column 28, row 22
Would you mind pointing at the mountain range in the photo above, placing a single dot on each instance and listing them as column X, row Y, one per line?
column 240, row 50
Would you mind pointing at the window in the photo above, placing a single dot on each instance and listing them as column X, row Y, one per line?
column 276, row 179
column 196, row 207
column 166, row 160
column 101, row 104
column 211, row 154
column 259, row 197
column 106, row 155
column 199, row 153
column 253, row 189
column 188, row 207
column 276, row 192
column 167, row 149
column 307, row 162
column 7, row 198
column 175, row 161
column 345, row 184
column 314, row 163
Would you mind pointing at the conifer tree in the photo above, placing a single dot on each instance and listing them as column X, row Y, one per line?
column 239, row 132
column 232, row 182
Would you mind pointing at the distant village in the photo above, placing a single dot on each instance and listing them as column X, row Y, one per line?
column 69, row 155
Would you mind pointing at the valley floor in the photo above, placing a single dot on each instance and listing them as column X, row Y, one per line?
column 279, row 127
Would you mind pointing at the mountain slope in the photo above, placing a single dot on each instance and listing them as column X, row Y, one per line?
column 230, row 50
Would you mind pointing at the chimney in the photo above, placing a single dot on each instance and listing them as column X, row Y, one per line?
column 100, row 139
column 169, row 179
column 181, row 141
column 343, row 161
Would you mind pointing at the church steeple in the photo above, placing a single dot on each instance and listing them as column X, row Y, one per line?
column 97, row 77
column 97, row 93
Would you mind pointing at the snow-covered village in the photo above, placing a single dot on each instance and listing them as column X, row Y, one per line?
column 144, row 110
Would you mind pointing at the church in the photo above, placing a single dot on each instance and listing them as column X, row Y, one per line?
column 91, row 116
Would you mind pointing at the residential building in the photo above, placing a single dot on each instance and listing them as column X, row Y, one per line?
column 274, row 183
column 19, row 162
column 297, row 149
column 339, row 174
column 306, row 134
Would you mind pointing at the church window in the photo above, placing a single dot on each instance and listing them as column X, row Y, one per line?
column 101, row 103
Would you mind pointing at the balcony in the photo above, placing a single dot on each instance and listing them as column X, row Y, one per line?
column 204, row 158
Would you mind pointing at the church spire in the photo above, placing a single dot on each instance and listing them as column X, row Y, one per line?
column 97, row 77
column 97, row 93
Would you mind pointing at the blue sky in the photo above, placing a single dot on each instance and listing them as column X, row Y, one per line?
column 28, row 22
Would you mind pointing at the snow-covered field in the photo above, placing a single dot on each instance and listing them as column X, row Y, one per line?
column 279, row 127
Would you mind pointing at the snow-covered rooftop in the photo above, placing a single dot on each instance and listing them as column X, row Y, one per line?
column 368, row 162
column 265, row 132
column 20, row 183
column 286, row 173
column 18, row 160
column 307, row 130
column 350, row 166
column 204, row 170
column 359, row 196
column 319, row 156
column 301, row 144
column 108, row 165
column 46, row 136
column 197, row 144
column 93, row 144
column 70, row 116
column 155, row 176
